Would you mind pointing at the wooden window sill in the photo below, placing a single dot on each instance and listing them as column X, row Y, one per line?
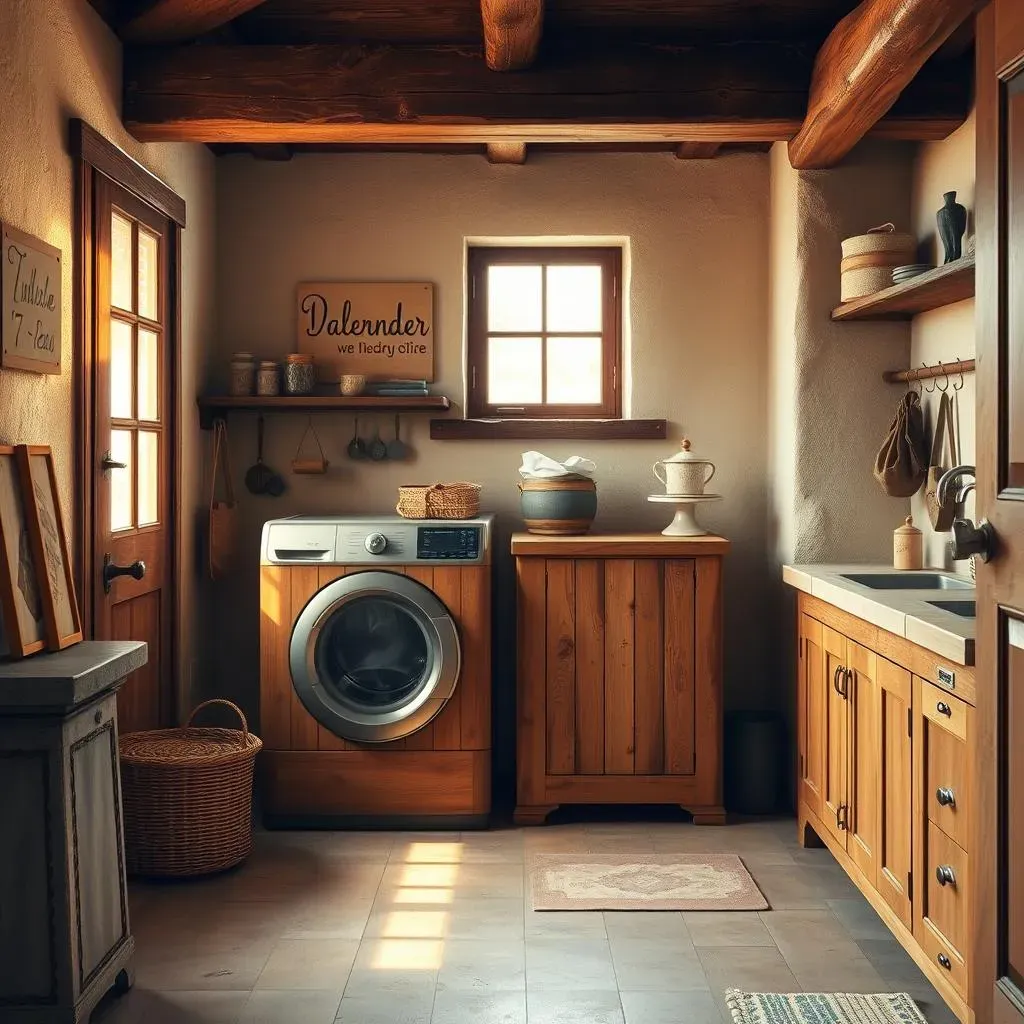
column 534, row 429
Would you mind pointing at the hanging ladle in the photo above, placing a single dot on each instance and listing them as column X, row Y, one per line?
column 356, row 448
column 260, row 478
column 397, row 448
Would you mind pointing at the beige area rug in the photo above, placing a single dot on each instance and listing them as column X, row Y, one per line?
column 822, row 1008
column 611, row 881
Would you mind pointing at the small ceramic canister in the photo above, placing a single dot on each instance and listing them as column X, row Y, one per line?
column 907, row 546
column 299, row 374
column 268, row 381
column 243, row 373
column 685, row 472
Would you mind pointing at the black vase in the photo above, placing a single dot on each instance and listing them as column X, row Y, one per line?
column 952, row 221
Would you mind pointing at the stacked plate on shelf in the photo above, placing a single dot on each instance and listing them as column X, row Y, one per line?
column 901, row 274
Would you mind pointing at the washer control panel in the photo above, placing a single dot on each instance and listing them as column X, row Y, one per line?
column 376, row 543
column 448, row 543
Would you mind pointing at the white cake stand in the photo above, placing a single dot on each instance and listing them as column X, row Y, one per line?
column 685, row 522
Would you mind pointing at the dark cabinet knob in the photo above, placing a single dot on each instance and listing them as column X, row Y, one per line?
column 945, row 796
column 111, row 571
column 944, row 961
column 944, row 875
column 944, row 709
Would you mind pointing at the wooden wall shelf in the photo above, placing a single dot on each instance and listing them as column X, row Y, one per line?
column 213, row 407
column 942, row 286
column 530, row 430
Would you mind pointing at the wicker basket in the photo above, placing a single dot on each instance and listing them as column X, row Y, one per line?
column 439, row 501
column 869, row 260
column 187, row 797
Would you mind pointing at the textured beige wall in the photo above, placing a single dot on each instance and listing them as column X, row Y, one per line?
column 947, row 334
column 58, row 60
column 698, row 304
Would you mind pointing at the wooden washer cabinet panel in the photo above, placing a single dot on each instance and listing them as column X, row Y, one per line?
column 883, row 781
column 442, row 770
column 619, row 664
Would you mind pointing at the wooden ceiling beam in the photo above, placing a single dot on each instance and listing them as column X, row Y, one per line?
column 174, row 21
column 871, row 56
column 512, row 30
column 446, row 94
column 506, row 152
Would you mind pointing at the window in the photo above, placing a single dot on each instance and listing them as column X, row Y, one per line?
column 545, row 332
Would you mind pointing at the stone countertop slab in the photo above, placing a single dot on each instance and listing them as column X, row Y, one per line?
column 57, row 681
column 906, row 613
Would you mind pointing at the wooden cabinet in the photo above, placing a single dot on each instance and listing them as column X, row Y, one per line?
column 883, row 780
column 620, row 685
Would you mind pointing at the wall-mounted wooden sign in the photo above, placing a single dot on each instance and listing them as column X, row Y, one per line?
column 382, row 330
column 30, row 313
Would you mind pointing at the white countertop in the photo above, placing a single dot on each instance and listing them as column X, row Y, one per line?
column 906, row 613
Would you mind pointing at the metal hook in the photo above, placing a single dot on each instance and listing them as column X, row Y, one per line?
column 945, row 374
column 924, row 366
column 960, row 366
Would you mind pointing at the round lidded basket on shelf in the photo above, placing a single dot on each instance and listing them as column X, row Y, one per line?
column 187, row 796
column 439, row 501
column 869, row 260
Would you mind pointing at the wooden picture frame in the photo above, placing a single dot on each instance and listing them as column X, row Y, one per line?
column 30, row 302
column 22, row 627
column 49, row 542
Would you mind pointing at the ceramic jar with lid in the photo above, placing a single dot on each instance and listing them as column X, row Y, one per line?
column 299, row 374
column 685, row 472
column 907, row 546
column 268, row 381
column 243, row 373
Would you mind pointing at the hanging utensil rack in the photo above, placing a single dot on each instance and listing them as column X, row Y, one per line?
column 911, row 376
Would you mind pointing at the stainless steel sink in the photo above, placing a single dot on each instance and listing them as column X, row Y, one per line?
column 963, row 608
column 907, row 581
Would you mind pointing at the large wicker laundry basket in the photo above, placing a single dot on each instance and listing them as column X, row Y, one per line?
column 187, row 797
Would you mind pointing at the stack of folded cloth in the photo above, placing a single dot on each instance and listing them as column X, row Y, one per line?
column 397, row 388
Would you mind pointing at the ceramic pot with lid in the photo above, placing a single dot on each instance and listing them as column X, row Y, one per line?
column 685, row 472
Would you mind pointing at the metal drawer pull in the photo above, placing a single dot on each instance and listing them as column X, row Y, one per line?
column 945, row 796
column 842, row 815
column 835, row 680
column 944, row 709
column 944, row 961
column 944, row 875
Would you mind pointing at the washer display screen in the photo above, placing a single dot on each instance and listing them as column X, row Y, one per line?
column 461, row 543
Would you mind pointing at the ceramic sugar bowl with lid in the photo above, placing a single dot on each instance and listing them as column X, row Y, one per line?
column 685, row 472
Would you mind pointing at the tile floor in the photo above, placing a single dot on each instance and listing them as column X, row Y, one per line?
column 411, row 928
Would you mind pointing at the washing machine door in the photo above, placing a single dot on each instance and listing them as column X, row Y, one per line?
column 374, row 656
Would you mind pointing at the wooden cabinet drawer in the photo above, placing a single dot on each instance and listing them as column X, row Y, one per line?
column 945, row 794
column 944, row 710
column 943, row 922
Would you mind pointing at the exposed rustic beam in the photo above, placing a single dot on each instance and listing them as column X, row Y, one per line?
column 446, row 94
column 506, row 152
column 512, row 31
column 173, row 21
column 871, row 56
column 697, row 150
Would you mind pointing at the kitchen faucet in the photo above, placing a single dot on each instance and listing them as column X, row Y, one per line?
column 968, row 539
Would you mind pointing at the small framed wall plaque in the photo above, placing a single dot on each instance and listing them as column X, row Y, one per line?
column 30, row 302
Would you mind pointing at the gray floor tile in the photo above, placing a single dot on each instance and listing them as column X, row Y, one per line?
column 626, row 924
column 569, row 964
column 694, row 1007
column 858, row 917
column 328, row 919
column 291, row 1007
column 322, row 964
column 469, row 965
column 387, row 1006
column 810, row 934
column 144, row 1006
column 582, row 1007
column 732, row 928
column 827, row 973
column 581, row 924
column 657, row 965
column 455, row 1007
column 751, row 968
column 483, row 919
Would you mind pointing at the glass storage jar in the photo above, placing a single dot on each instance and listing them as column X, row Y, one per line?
column 243, row 373
column 299, row 374
column 268, row 382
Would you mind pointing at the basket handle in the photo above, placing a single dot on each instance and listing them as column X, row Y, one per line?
column 219, row 700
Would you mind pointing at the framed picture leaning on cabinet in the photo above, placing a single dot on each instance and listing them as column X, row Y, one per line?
column 49, row 544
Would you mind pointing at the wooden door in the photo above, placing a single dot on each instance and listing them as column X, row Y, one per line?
column 864, row 737
column 834, row 807
column 894, row 789
column 133, row 429
column 999, row 760
column 813, row 686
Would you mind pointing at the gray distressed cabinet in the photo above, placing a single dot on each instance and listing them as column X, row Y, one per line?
column 64, row 934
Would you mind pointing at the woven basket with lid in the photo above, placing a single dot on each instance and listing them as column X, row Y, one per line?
column 439, row 501
column 187, row 797
column 869, row 260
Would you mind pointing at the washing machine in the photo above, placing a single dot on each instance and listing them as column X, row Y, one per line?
column 375, row 672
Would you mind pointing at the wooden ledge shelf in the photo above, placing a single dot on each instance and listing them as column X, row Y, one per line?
column 530, row 430
column 942, row 286
column 213, row 407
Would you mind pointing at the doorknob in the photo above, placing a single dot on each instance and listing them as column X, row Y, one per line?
column 945, row 875
column 969, row 539
column 111, row 571
column 107, row 463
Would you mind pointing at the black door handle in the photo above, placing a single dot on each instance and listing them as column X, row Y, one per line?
column 111, row 571
column 107, row 463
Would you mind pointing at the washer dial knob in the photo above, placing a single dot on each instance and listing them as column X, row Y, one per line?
column 376, row 543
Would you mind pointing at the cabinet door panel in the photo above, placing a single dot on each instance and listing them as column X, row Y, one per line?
column 560, row 656
column 680, row 682
column 834, row 787
column 619, row 696
column 895, row 790
column 863, row 797
column 811, row 703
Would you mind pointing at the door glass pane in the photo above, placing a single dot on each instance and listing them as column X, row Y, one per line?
column 1014, row 256
column 120, row 370
column 148, row 375
column 514, row 371
column 149, row 477
column 373, row 654
column 514, row 298
column 121, row 481
column 574, row 298
column 121, row 262
column 574, row 371
column 149, row 273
